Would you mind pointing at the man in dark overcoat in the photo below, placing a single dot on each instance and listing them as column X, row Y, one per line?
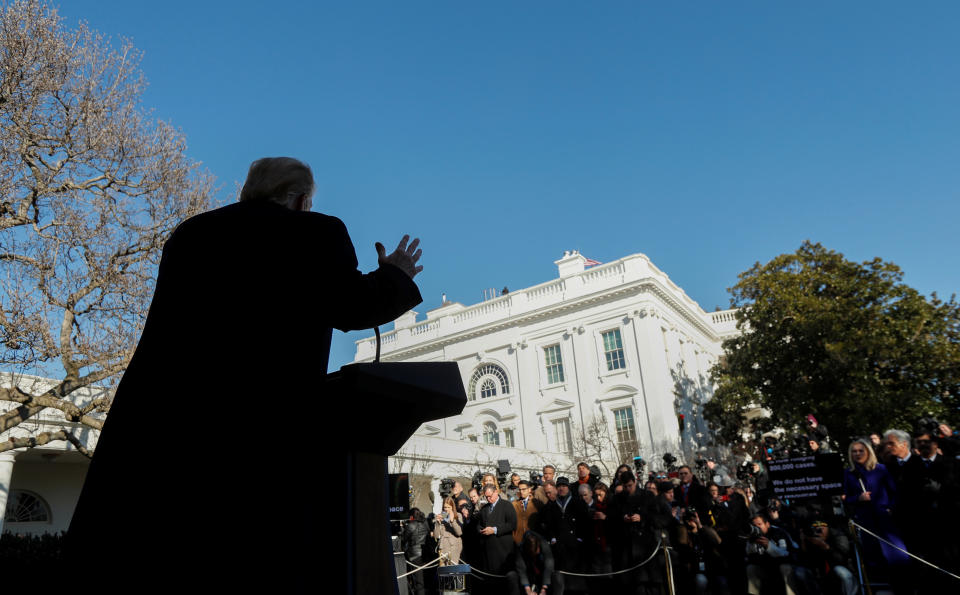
column 636, row 520
column 497, row 522
column 208, row 470
column 929, row 496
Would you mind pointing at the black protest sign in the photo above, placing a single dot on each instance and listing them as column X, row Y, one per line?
column 801, row 478
column 399, row 496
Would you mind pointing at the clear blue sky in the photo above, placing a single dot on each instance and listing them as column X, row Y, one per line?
column 706, row 135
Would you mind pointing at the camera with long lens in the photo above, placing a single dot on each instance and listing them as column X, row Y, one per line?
column 928, row 425
column 446, row 487
column 638, row 465
column 668, row 461
column 536, row 479
column 745, row 471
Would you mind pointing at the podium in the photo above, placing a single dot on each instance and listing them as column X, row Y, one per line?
column 394, row 398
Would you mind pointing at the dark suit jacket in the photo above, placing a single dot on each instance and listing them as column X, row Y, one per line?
column 697, row 496
column 498, row 549
column 928, row 496
column 208, row 457
column 570, row 527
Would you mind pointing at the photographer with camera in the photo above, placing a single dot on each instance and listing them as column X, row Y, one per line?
column 413, row 538
column 513, row 487
column 816, row 433
column 768, row 558
column 470, row 536
column 702, row 566
column 448, row 532
column 825, row 554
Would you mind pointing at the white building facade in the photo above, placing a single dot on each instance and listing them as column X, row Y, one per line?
column 40, row 486
column 602, row 363
column 596, row 365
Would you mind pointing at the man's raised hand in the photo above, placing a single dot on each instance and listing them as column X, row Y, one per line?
column 404, row 257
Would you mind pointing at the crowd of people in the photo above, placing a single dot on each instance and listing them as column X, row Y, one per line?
column 639, row 534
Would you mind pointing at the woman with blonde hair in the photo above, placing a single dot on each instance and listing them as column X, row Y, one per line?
column 870, row 493
column 491, row 479
column 448, row 532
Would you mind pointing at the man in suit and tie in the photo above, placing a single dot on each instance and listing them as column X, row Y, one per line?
column 929, row 498
column 896, row 446
column 498, row 519
column 526, row 508
column 690, row 492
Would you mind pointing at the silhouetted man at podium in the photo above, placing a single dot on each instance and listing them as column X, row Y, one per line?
column 208, row 470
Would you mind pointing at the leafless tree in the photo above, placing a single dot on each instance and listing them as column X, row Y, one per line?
column 596, row 444
column 90, row 189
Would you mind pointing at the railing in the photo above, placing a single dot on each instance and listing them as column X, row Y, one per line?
column 426, row 327
column 530, row 299
column 539, row 293
column 492, row 307
column 602, row 272
column 725, row 316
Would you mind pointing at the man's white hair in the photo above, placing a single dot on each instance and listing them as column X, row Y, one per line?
column 278, row 179
column 584, row 489
column 898, row 435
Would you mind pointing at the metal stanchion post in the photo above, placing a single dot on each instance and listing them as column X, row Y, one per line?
column 861, row 569
column 666, row 556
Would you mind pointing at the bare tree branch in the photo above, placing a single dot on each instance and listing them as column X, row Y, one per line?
column 90, row 189
column 45, row 438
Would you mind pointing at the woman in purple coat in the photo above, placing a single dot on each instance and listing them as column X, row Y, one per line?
column 870, row 494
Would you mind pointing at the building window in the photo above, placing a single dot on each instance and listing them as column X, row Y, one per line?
column 26, row 507
column 626, row 431
column 488, row 389
column 554, row 363
column 613, row 350
column 472, row 437
column 490, row 434
column 508, row 438
column 488, row 380
column 561, row 432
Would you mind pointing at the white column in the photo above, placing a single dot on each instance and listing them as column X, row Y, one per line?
column 6, row 474
column 657, row 385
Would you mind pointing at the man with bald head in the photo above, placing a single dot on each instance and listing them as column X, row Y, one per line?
column 222, row 406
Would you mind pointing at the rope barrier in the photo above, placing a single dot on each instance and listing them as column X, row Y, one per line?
column 624, row 571
column 652, row 556
column 869, row 532
column 419, row 568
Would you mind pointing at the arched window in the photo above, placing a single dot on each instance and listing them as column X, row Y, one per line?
column 26, row 507
column 490, row 434
column 488, row 388
column 488, row 380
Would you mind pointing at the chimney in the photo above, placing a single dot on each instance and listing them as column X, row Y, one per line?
column 405, row 320
column 571, row 263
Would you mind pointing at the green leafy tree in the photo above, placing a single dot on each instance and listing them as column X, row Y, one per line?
column 848, row 342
